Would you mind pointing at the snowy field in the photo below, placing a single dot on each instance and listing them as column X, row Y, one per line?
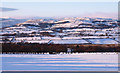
column 69, row 41
column 103, row 41
column 61, row 62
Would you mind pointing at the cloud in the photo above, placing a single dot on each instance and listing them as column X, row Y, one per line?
column 3, row 9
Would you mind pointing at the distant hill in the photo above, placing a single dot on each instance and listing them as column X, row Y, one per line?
column 7, row 22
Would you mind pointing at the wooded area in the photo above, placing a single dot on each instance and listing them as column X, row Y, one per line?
column 56, row 48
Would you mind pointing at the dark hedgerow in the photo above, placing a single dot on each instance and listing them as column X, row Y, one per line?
column 56, row 48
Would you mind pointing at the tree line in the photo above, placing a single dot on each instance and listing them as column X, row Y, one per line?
column 56, row 48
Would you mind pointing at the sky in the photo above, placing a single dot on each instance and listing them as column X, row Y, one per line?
column 59, row 0
column 61, row 9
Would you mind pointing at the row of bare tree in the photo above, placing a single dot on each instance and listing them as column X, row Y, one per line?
column 56, row 48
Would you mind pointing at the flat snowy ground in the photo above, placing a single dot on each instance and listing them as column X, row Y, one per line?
column 103, row 41
column 61, row 62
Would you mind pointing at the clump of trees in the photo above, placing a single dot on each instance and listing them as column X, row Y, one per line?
column 56, row 48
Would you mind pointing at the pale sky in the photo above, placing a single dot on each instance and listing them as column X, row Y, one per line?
column 61, row 9
column 59, row 0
